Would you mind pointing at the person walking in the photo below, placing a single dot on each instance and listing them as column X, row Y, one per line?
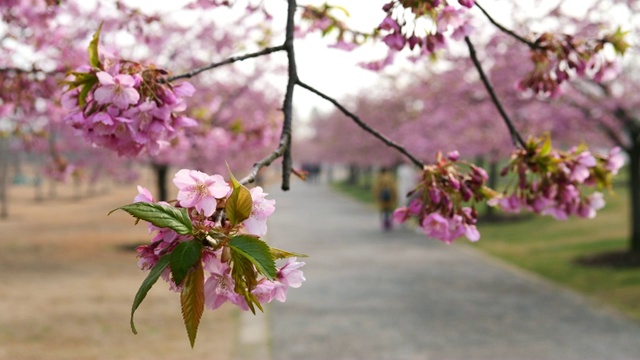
column 386, row 194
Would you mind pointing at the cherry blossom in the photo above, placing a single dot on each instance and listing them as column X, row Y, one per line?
column 205, row 198
column 261, row 209
column 199, row 190
column 117, row 89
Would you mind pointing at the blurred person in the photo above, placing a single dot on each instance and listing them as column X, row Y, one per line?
column 386, row 194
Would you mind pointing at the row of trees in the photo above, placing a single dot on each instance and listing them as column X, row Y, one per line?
column 439, row 109
column 129, row 93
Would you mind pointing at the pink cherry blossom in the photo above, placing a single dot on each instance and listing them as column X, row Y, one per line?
column 615, row 160
column 199, row 190
column 471, row 232
column 436, row 226
column 218, row 288
column 592, row 204
column 400, row 215
column 389, row 24
column 415, row 206
column 289, row 275
column 117, row 90
column 144, row 195
column 261, row 208
column 450, row 17
column 395, row 41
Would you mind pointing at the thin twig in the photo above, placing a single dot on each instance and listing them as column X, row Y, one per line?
column 228, row 61
column 531, row 44
column 251, row 177
column 364, row 126
column 515, row 136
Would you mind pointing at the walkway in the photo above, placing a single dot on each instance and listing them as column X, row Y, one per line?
column 398, row 296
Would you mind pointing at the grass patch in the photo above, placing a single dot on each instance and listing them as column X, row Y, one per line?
column 551, row 249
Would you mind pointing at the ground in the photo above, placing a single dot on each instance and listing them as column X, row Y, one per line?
column 69, row 275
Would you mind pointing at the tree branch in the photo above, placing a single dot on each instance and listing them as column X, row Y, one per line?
column 364, row 126
column 530, row 44
column 228, row 61
column 287, row 106
column 515, row 136
column 251, row 177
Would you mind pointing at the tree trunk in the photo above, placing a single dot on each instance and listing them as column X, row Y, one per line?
column 634, row 193
column 354, row 175
column 161, row 171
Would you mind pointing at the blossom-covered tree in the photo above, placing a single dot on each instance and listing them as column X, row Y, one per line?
column 138, row 101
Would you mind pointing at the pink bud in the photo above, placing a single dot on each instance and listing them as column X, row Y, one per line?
column 466, row 193
column 413, row 41
column 400, row 215
column 455, row 184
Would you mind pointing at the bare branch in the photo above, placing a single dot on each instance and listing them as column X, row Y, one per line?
column 515, row 136
column 228, row 61
column 511, row 33
column 287, row 106
column 251, row 177
column 364, row 126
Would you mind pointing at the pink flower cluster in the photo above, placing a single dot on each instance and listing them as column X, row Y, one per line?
column 558, row 58
column 126, row 107
column 204, row 196
column 218, row 287
column 439, row 202
column 552, row 182
column 401, row 30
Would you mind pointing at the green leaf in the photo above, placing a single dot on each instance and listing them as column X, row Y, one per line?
column 183, row 258
column 234, row 181
column 283, row 254
column 164, row 216
column 94, row 60
column 239, row 205
column 256, row 251
column 146, row 285
column 86, row 88
column 546, row 148
column 192, row 301
column 244, row 276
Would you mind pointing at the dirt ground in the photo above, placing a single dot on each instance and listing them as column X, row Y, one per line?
column 68, row 276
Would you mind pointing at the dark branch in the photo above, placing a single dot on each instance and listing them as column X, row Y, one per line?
column 515, row 136
column 284, row 143
column 531, row 44
column 287, row 106
column 364, row 126
column 228, row 61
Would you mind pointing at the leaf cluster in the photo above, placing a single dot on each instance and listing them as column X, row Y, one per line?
column 249, row 256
